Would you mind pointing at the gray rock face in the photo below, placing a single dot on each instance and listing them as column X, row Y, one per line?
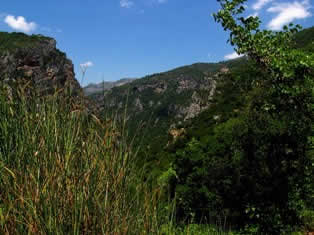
column 186, row 84
column 138, row 104
column 41, row 65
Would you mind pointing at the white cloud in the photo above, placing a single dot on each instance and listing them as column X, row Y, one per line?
column 232, row 56
column 19, row 23
column 287, row 12
column 86, row 65
column 126, row 3
column 260, row 4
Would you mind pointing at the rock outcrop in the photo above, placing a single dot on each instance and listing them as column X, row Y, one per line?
column 34, row 61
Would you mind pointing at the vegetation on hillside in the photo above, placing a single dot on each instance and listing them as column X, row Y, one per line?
column 14, row 41
column 250, row 157
column 304, row 40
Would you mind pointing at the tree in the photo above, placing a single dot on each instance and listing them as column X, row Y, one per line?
column 279, row 117
column 256, row 165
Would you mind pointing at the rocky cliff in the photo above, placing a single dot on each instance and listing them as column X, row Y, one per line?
column 35, row 62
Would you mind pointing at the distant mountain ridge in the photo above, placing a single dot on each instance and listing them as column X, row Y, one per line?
column 106, row 85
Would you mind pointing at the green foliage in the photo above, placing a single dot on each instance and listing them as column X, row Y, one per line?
column 14, row 41
column 194, row 229
column 308, row 218
column 253, row 162
column 304, row 40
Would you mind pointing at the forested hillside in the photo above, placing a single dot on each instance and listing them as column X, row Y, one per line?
column 249, row 157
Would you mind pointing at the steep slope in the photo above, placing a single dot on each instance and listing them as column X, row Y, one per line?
column 159, row 102
column 231, row 94
column 35, row 62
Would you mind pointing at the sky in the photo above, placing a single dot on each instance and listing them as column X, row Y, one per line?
column 114, row 39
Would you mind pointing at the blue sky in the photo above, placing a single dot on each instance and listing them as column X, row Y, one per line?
column 113, row 39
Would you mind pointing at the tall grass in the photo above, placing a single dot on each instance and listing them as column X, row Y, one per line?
column 64, row 171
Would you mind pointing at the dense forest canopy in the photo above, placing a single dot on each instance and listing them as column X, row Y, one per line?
column 253, row 162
